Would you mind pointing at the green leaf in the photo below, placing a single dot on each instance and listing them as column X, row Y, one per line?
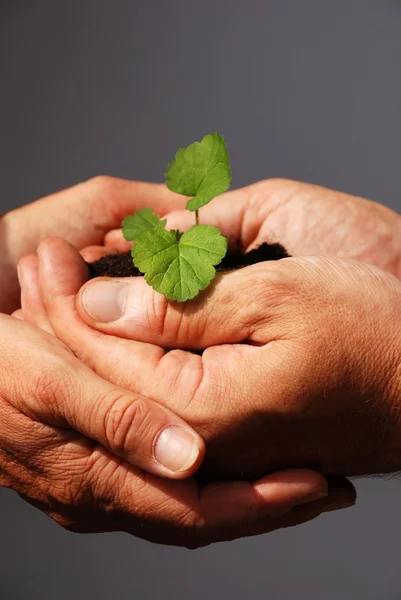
column 201, row 170
column 179, row 268
column 142, row 220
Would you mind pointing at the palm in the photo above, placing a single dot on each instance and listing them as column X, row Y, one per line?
column 307, row 220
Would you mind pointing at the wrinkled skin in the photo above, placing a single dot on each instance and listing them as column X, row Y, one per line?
column 301, row 356
column 75, row 446
column 82, row 215
column 304, row 373
column 68, row 440
column 307, row 219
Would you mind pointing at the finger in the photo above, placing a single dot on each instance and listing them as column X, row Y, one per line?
column 283, row 499
column 179, row 513
column 238, row 214
column 92, row 253
column 62, row 272
column 32, row 305
column 97, row 206
column 274, row 494
column 61, row 391
column 129, row 425
column 182, row 514
column 135, row 366
column 115, row 241
column 225, row 212
column 228, row 212
column 130, row 308
column 245, row 215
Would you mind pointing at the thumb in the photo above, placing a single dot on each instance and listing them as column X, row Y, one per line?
column 131, row 426
column 228, row 312
column 61, row 391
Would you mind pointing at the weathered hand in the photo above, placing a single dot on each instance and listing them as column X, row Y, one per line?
column 300, row 367
column 69, row 440
column 306, row 219
column 82, row 215
column 258, row 394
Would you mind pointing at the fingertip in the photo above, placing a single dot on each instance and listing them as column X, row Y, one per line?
column 115, row 305
column 180, row 450
column 62, row 270
column 32, row 306
column 292, row 487
column 179, row 219
column 92, row 253
column 27, row 270
column 28, row 260
column 115, row 240
column 52, row 244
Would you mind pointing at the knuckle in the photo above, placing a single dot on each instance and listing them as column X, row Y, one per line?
column 126, row 422
column 69, row 489
column 263, row 290
column 272, row 183
column 267, row 189
column 271, row 283
column 157, row 310
column 181, row 370
column 49, row 388
column 105, row 192
column 78, row 480
column 105, row 184
column 278, row 302
column 165, row 320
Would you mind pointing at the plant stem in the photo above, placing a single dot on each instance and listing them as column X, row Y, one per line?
column 197, row 217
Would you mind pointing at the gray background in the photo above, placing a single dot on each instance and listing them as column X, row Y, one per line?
column 307, row 89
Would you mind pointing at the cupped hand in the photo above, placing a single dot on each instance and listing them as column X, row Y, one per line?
column 300, row 364
column 307, row 219
column 72, row 445
column 82, row 214
column 286, row 378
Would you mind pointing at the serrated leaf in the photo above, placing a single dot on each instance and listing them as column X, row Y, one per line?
column 179, row 267
column 201, row 170
column 143, row 220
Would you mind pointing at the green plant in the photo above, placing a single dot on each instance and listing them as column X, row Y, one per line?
column 180, row 265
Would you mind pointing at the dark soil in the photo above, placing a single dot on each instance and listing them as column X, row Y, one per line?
column 121, row 265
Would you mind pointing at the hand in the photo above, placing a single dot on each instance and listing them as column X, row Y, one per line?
column 300, row 368
column 306, row 219
column 69, row 442
column 256, row 393
column 82, row 215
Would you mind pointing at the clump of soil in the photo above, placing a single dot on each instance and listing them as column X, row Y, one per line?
column 121, row 265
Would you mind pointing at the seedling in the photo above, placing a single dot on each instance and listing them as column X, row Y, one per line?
column 180, row 265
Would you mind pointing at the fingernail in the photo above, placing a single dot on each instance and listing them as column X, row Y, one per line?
column 176, row 449
column 105, row 300
column 317, row 495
